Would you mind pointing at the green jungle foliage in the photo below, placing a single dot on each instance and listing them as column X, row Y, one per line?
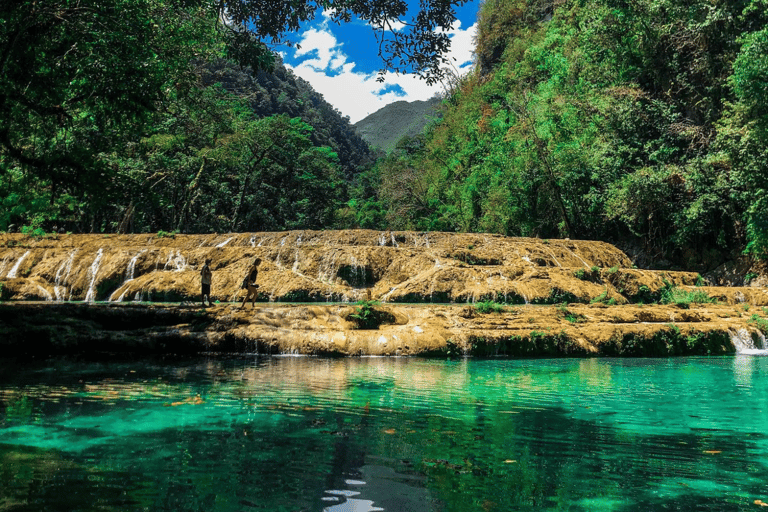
column 642, row 122
column 129, row 115
column 489, row 306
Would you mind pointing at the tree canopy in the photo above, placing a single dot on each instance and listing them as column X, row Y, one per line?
column 103, row 104
column 640, row 122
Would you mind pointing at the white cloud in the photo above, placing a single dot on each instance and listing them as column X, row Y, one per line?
column 358, row 94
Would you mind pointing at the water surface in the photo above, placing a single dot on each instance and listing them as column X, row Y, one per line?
column 392, row 434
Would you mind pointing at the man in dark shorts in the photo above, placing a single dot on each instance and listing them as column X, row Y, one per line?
column 205, row 278
column 249, row 283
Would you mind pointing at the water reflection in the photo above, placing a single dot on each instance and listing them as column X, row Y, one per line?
column 384, row 434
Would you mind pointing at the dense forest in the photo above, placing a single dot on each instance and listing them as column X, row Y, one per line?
column 641, row 122
column 135, row 116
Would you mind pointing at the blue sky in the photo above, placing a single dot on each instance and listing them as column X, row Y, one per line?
column 342, row 64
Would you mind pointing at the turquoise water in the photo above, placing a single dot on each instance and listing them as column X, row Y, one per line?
column 343, row 435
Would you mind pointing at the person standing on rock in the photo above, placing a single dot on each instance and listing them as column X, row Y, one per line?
column 205, row 278
column 249, row 283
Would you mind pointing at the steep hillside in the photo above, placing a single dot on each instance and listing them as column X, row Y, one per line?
column 640, row 123
column 385, row 127
column 282, row 92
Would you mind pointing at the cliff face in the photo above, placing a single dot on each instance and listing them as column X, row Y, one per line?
column 107, row 273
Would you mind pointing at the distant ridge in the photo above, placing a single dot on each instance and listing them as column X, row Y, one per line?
column 385, row 127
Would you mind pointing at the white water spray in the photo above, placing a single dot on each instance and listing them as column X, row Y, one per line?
column 748, row 343
column 62, row 276
column 132, row 266
column 15, row 268
column 225, row 242
column 176, row 261
column 129, row 273
column 92, row 272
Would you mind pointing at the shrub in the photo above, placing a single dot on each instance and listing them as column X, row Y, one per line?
column 489, row 306
column 604, row 298
column 759, row 322
column 365, row 314
column 565, row 313
column 556, row 296
column 684, row 298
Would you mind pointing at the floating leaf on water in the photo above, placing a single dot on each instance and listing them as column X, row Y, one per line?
column 713, row 452
column 760, row 503
column 509, row 461
column 390, row 431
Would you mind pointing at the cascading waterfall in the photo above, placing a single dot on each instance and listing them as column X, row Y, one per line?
column 557, row 263
column 328, row 268
column 62, row 276
column 129, row 273
column 45, row 293
column 92, row 272
column 15, row 268
column 225, row 242
column 586, row 265
column 132, row 266
column 748, row 343
column 175, row 260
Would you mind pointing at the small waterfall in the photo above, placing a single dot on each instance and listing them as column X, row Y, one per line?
column 15, row 268
column 45, row 293
column 132, row 266
column 129, row 273
column 175, row 260
column 328, row 268
column 748, row 343
column 92, row 272
column 578, row 257
column 554, row 257
column 225, row 242
column 62, row 276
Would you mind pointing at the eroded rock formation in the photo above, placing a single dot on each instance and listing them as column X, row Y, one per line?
column 332, row 269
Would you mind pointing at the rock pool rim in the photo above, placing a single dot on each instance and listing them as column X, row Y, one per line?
column 111, row 330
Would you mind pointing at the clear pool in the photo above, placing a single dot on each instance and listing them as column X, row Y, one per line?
column 308, row 434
